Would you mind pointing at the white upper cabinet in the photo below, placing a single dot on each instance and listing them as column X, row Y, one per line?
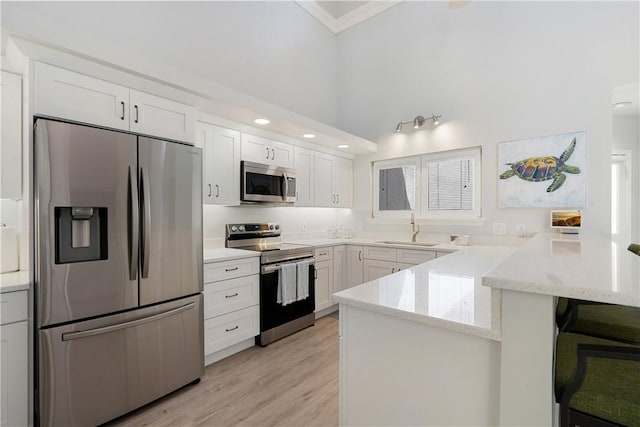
column 221, row 168
column 11, row 142
column 73, row 96
column 304, row 165
column 267, row 151
column 152, row 115
column 333, row 181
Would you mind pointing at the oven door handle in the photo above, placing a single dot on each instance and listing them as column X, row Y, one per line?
column 270, row 268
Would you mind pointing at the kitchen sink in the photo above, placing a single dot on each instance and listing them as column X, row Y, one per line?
column 397, row 242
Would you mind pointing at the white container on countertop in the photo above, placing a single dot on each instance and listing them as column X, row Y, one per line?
column 8, row 249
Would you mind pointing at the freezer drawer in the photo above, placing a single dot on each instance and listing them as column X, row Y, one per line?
column 93, row 371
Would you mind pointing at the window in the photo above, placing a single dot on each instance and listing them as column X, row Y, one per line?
column 452, row 184
column 395, row 183
column 436, row 186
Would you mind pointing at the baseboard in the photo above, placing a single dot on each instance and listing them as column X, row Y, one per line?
column 226, row 352
column 326, row 311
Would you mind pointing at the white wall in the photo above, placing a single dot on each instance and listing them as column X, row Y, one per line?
column 275, row 51
column 291, row 219
column 496, row 71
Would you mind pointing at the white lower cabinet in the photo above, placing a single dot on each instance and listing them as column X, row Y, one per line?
column 355, row 266
column 339, row 269
column 382, row 261
column 231, row 306
column 324, row 278
column 14, row 359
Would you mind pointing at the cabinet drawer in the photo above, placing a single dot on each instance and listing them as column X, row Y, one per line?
column 217, row 271
column 13, row 307
column 229, row 329
column 323, row 254
column 412, row 256
column 382, row 254
column 231, row 295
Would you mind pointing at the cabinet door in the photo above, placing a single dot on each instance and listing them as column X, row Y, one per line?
column 339, row 268
column 323, row 186
column 304, row 166
column 323, row 285
column 355, row 266
column 225, row 165
column 255, row 149
column 204, row 137
column 13, row 371
column 152, row 115
column 343, row 182
column 281, row 154
column 68, row 95
column 11, row 142
column 374, row 269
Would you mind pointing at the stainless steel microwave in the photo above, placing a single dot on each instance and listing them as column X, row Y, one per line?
column 266, row 183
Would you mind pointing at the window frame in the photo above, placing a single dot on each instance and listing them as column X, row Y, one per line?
column 390, row 164
column 420, row 162
column 452, row 155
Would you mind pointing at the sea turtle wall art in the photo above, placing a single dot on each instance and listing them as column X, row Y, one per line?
column 542, row 172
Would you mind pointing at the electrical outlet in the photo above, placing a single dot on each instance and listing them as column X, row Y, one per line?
column 521, row 230
column 304, row 226
column 499, row 228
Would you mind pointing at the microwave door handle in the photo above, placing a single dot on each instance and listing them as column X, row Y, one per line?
column 286, row 186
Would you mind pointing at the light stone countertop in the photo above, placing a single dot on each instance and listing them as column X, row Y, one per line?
column 14, row 281
column 226, row 254
column 584, row 266
column 446, row 292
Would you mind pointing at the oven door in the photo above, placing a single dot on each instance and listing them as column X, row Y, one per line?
column 274, row 314
column 265, row 183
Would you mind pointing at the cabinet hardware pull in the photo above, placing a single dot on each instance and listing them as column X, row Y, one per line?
column 267, row 153
column 122, row 116
column 273, row 154
column 232, row 329
column 217, row 190
column 136, row 108
column 231, row 296
column 231, row 269
column 209, row 190
column 337, row 198
column 393, row 269
column 359, row 255
column 323, row 253
column 315, row 274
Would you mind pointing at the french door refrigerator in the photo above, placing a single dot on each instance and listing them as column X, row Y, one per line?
column 118, row 303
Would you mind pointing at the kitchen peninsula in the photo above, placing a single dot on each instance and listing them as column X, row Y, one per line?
column 472, row 330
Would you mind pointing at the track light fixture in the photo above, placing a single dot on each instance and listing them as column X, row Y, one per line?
column 419, row 121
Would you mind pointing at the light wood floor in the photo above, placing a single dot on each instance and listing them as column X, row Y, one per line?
column 292, row 382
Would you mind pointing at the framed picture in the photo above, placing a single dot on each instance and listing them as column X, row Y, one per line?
column 545, row 172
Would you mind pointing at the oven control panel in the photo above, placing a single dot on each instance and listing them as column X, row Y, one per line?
column 244, row 231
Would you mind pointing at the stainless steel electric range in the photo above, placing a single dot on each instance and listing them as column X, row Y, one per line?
column 276, row 320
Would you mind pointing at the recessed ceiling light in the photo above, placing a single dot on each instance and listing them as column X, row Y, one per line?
column 622, row 104
column 343, row 146
column 261, row 121
column 308, row 135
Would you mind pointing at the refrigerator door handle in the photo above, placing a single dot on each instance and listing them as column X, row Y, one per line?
column 134, row 217
column 91, row 332
column 146, row 221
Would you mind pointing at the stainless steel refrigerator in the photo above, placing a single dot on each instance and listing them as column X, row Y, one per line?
column 118, row 303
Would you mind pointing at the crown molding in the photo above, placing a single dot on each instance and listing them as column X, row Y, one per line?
column 348, row 20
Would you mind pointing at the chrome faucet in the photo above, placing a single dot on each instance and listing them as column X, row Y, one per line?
column 415, row 229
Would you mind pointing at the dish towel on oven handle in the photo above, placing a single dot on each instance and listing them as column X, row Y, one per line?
column 303, row 279
column 287, row 284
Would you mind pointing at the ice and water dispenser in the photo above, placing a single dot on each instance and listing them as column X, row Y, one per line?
column 81, row 234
